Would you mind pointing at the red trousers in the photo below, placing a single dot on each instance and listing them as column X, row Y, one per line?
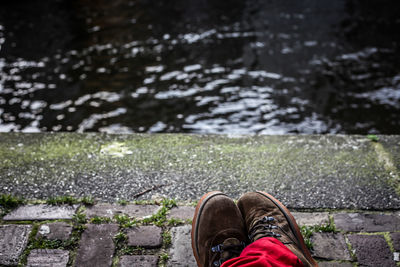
column 265, row 252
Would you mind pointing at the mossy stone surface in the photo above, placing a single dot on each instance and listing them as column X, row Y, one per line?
column 303, row 171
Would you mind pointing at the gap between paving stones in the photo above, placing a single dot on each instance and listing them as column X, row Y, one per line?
column 164, row 235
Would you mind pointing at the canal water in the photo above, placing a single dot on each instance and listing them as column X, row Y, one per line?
column 200, row 66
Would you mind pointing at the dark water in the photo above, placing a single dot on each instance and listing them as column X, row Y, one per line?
column 201, row 66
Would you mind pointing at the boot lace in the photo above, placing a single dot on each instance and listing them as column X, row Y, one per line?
column 230, row 251
column 264, row 227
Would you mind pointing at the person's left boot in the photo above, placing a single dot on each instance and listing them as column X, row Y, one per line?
column 218, row 230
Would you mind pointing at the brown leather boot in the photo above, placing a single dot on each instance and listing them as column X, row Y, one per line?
column 265, row 216
column 218, row 230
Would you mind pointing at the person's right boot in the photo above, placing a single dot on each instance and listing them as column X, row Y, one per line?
column 265, row 216
column 218, row 230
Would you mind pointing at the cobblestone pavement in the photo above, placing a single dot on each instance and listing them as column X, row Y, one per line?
column 158, row 234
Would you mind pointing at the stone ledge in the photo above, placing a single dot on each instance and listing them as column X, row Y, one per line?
column 332, row 171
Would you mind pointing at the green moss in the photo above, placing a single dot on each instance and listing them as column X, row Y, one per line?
column 100, row 220
column 164, row 257
column 123, row 202
column 77, row 230
column 160, row 218
column 350, row 248
column 126, row 250
column 79, row 218
column 167, row 239
column 175, row 222
column 120, row 237
column 308, row 231
column 10, row 201
column 145, row 202
column 87, row 200
column 31, row 239
column 121, row 247
column 389, row 241
column 373, row 137
column 47, row 147
column 124, row 221
column 58, row 200
column 70, row 200
column 115, row 261
column 43, row 243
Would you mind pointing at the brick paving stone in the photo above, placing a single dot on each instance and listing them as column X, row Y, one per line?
column 334, row 264
column 109, row 210
column 396, row 241
column 181, row 213
column 358, row 222
column 181, row 253
column 330, row 246
column 48, row 258
column 96, row 247
column 41, row 212
column 371, row 250
column 13, row 240
column 57, row 230
column 308, row 218
column 139, row 261
column 145, row 236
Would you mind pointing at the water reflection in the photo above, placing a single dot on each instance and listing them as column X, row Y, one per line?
column 200, row 66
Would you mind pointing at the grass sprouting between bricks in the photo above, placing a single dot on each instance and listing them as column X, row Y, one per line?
column 308, row 231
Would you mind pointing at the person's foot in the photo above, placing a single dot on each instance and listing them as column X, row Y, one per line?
column 265, row 216
column 218, row 230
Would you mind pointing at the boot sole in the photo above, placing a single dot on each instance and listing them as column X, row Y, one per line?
column 293, row 225
column 199, row 208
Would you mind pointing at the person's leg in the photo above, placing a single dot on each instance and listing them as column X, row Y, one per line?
column 265, row 216
column 265, row 252
column 218, row 230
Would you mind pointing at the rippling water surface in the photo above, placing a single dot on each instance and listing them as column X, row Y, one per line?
column 202, row 66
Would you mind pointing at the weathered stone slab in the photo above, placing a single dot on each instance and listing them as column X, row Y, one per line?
column 391, row 143
column 308, row 218
column 371, row 250
column 48, row 258
column 57, row 230
column 109, row 210
column 181, row 213
column 13, row 240
column 330, row 246
column 96, row 247
column 334, row 264
column 145, row 236
column 181, row 253
column 396, row 241
column 359, row 222
column 41, row 212
column 139, row 261
column 334, row 171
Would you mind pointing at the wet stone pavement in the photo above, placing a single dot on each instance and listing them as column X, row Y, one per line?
column 158, row 234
